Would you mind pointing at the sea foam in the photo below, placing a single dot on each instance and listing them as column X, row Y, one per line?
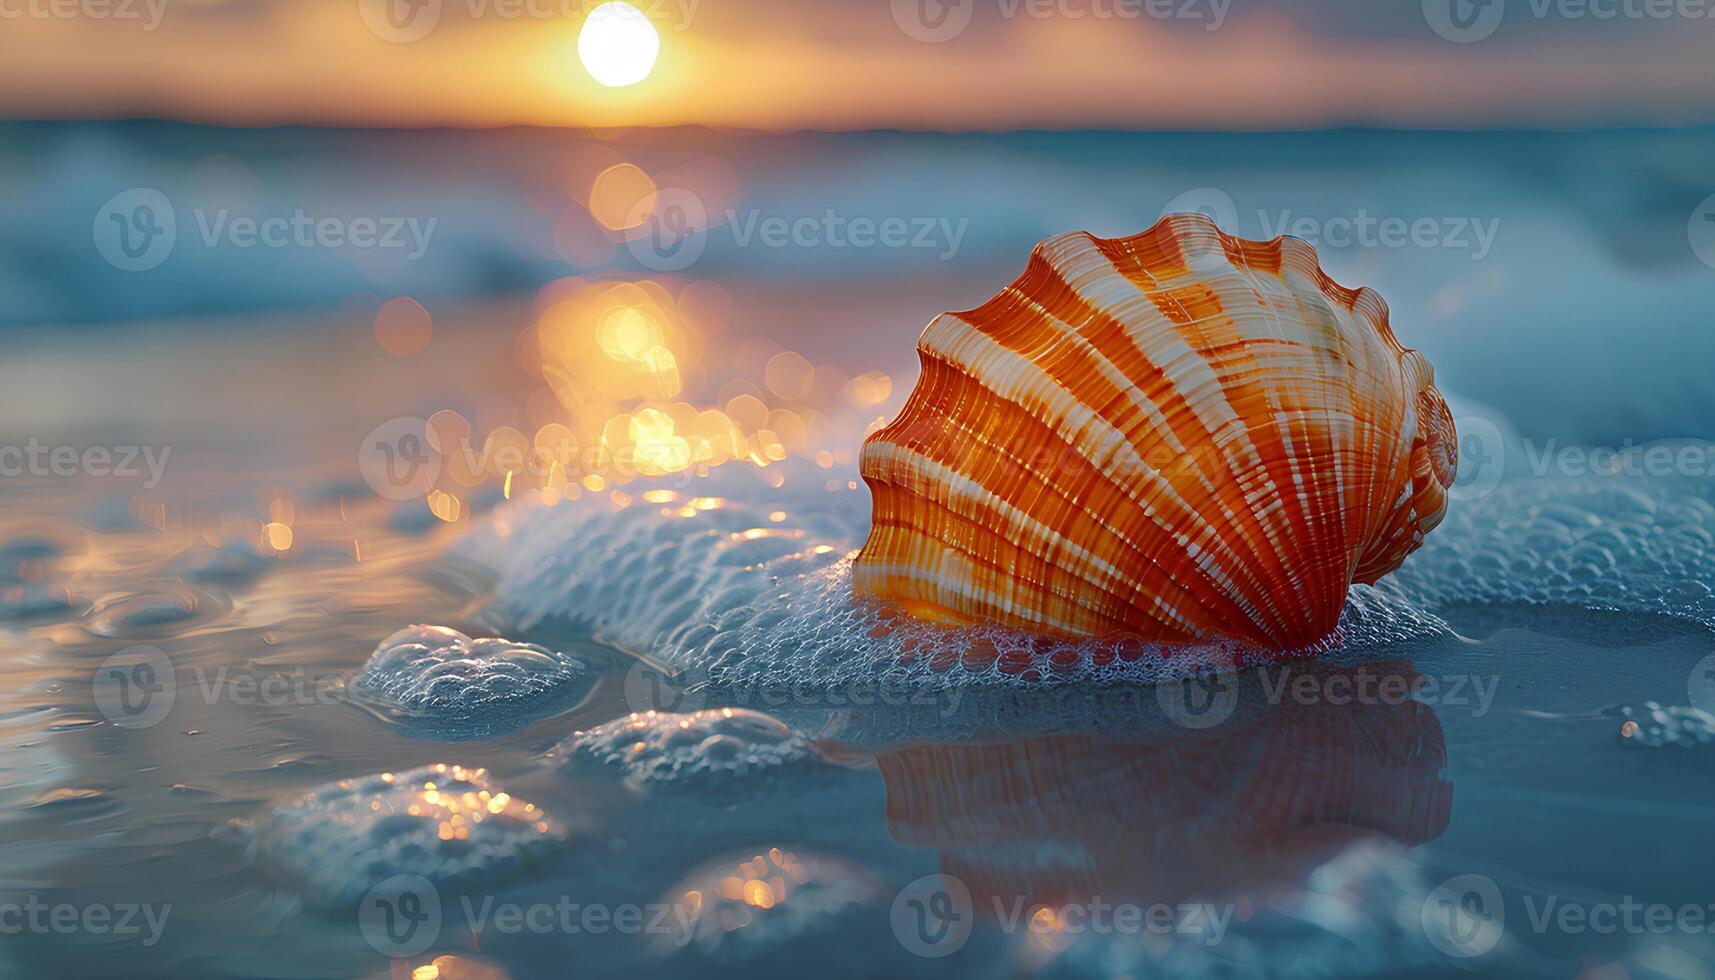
column 451, row 825
column 758, row 586
column 437, row 681
column 714, row 746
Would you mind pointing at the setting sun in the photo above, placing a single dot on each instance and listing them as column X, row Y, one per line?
column 618, row 45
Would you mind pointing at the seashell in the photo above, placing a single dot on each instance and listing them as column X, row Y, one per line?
column 1174, row 435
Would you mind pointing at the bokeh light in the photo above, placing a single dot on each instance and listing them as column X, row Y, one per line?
column 403, row 327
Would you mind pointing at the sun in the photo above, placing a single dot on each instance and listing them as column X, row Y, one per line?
column 618, row 45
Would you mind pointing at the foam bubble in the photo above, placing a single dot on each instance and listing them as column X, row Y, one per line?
column 446, row 823
column 712, row 746
column 1624, row 543
column 754, row 905
column 1357, row 915
column 438, row 681
column 635, row 573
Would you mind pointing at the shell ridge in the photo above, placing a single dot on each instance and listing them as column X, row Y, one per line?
column 1184, row 370
column 1365, row 303
column 1189, row 326
column 943, row 344
column 1275, row 462
column 1020, row 521
column 1126, row 387
column 884, row 450
column 1332, row 354
column 1369, row 308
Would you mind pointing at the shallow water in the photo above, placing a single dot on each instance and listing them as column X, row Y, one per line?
column 194, row 737
column 1295, row 817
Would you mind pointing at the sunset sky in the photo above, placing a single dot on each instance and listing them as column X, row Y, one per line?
column 865, row 64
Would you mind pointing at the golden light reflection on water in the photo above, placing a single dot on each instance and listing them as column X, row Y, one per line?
column 454, row 809
column 611, row 356
column 762, row 882
column 630, row 378
column 458, row 968
column 277, row 524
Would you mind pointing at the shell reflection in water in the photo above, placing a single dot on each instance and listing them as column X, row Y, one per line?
column 1229, row 813
column 1171, row 435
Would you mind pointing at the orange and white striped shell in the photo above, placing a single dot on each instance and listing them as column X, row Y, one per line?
column 1174, row 435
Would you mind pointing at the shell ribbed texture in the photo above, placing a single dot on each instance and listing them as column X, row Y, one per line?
column 1173, row 435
